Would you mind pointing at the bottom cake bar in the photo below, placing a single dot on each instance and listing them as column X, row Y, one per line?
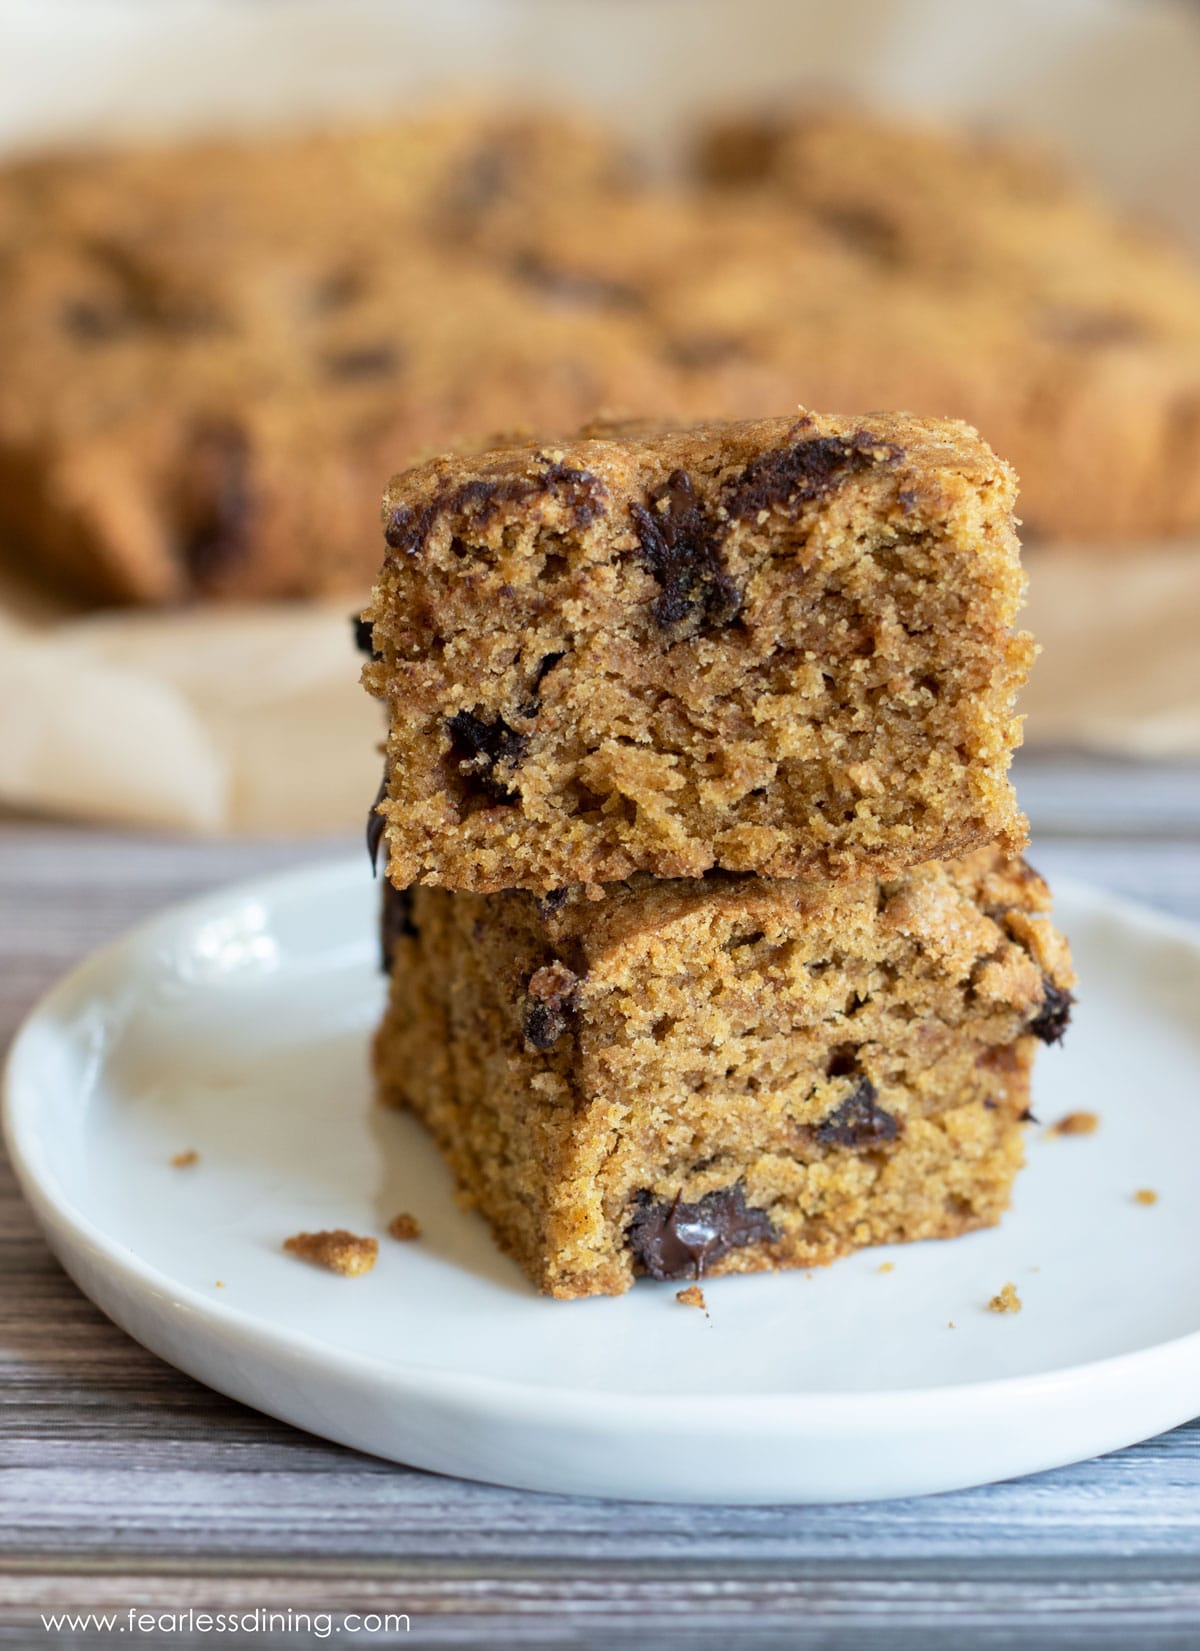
column 723, row 1075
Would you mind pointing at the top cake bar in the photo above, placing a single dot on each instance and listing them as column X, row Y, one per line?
column 781, row 646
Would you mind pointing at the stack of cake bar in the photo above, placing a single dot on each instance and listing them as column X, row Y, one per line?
column 711, row 945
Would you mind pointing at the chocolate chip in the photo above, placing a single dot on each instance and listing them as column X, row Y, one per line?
column 546, row 664
column 574, row 288
column 478, row 500
column 369, row 361
column 679, row 1240
column 859, row 1122
column 550, row 1000
column 94, row 323
column 553, row 902
column 336, row 291
column 376, row 824
column 480, row 748
column 864, row 231
column 1065, row 325
column 697, row 351
column 1054, row 1016
column 395, row 922
column 737, row 941
column 806, row 471
column 681, row 547
column 483, row 179
column 216, row 504
column 1026, row 1116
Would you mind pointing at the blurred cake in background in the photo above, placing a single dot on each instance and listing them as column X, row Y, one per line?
column 213, row 354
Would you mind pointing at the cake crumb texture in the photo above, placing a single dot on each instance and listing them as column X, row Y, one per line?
column 782, row 647
column 1006, row 1300
column 404, row 1227
column 726, row 1074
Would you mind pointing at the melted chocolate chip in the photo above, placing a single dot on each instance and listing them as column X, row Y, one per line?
column 679, row 1240
column 864, row 231
column 376, row 824
column 1054, row 1016
column 216, row 504
column 395, row 922
column 574, row 288
column 859, row 1122
column 808, row 470
column 480, row 748
column 696, row 351
column 546, row 664
column 369, row 361
column 550, row 1000
column 681, row 547
column 477, row 501
column 1069, row 326
column 94, row 323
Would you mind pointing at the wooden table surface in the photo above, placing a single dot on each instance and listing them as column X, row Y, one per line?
column 125, row 1483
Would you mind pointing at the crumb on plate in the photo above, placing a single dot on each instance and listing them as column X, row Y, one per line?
column 1145, row 1195
column 886, row 1266
column 693, row 1296
column 339, row 1250
column 185, row 1160
column 405, row 1227
column 1007, row 1301
column 1076, row 1123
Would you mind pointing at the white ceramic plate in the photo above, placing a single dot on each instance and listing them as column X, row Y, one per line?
column 238, row 1027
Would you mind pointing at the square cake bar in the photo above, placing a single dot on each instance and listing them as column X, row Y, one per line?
column 726, row 1074
column 782, row 647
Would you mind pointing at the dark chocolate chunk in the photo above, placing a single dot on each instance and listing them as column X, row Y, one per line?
column 336, row 291
column 696, row 351
column 808, row 470
column 546, row 664
column 859, row 1122
column 395, row 922
column 368, row 361
column 554, row 901
column 376, row 824
column 549, row 1002
column 481, row 181
column 408, row 528
column 681, row 546
column 1065, row 325
column 1026, row 1116
column 216, row 504
column 95, row 323
column 1054, row 1016
column 865, row 231
column 574, row 288
column 480, row 749
column 679, row 1240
